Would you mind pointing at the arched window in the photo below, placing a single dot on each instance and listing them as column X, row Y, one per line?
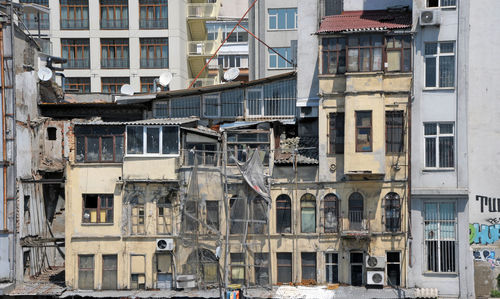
column 392, row 212
column 308, row 213
column 331, row 213
column 356, row 211
column 283, row 214
column 207, row 264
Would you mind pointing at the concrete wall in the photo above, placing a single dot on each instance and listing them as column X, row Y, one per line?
column 373, row 5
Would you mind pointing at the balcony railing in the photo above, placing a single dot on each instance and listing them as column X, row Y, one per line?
column 78, row 64
column 114, row 24
column 206, row 158
column 75, row 24
column 203, row 10
column 33, row 24
column 204, row 81
column 153, row 23
column 202, row 48
column 154, row 63
column 354, row 224
column 115, row 63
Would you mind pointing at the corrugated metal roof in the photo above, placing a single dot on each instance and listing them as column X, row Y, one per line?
column 151, row 122
column 212, row 293
column 365, row 20
column 203, row 130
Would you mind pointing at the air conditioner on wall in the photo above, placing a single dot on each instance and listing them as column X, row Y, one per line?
column 164, row 244
column 375, row 262
column 375, row 278
column 430, row 17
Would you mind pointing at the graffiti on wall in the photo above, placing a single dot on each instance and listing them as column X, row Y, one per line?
column 487, row 255
column 493, row 204
column 486, row 233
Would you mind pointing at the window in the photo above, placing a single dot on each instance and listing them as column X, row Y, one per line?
column 399, row 53
column 332, row 267
column 280, row 98
column 240, row 145
column 32, row 21
column 86, row 272
column 393, row 268
column 206, row 154
column 363, row 131
column 308, row 213
column 163, row 270
column 441, row 3
column 232, row 102
column 237, row 268
column 333, row 52
column 237, row 214
column 394, row 133
column 97, row 208
column 239, row 35
column 276, row 62
column 331, row 213
column 257, row 217
column 147, row 85
column 77, row 84
column 178, row 107
column 440, row 236
column 138, row 272
column 282, row 18
column 109, row 272
column 137, row 217
column 113, row 85
column 284, row 267
column 336, row 134
column 212, row 213
column 153, row 14
column 52, row 133
column 440, row 64
column 439, row 145
column 152, row 140
column 154, row 53
column 283, row 214
column 364, row 53
column 99, row 143
column 228, row 61
column 308, row 266
column 74, row 14
column 114, row 53
column 333, row 7
column 211, row 105
column 356, row 211
column 165, row 214
column 114, row 14
column 392, row 212
column 261, row 267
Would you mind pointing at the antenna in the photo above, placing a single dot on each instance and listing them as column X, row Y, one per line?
column 45, row 74
column 127, row 89
column 231, row 74
column 165, row 78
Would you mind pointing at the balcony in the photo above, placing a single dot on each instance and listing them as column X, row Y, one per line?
column 33, row 24
column 75, row 24
column 77, row 64
column 154, row 63
column 197, row 14
column 200, row 82
column 203, row 48
column 355, row 225
column 114, row 24
column 161, row 23
column 122, row 63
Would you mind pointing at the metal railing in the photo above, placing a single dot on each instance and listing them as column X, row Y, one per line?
column 78, row 64
column 355, row 222
column 114, row 24
column 33, row 24
column 205, row 158
column 75, row 24
column 203, row 10
column 161, row 23
column 203, row 48
column 115, row 63
column 154, row 63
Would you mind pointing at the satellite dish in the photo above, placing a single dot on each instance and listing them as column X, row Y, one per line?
column 231, row 74
column 45, row 74
column 127, row 90
column 165, row 78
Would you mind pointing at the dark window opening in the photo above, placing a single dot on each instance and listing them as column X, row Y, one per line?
column 394, row 139
column 392, row 212
column 432, row 3
column 52, row 133
column 261, row 261
column 336, row 134
column 393, row 269
column 332, row 267
column 283, row 214
column 284, row 267
column 356, row 268
column 308, row 266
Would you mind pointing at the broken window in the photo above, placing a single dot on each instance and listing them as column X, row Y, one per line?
column 99, row 143
column 86, row 272
column 261, row 267
column 308, row 213
column 332, row 267
column 164, row 215
column 97, row 208
column 363, row 131
column 258, row 217
column 152, row 140
column 399, row 53
column 206, row 154
column 440, row 236
column 392, row 212
column 283, row 214
column 138, row 272
column 109, row 272
column 237, row 268
column 331, row 213
column 284, row 267
column 393, row 268
column 51, row 133
column 336, row 134
column 394, row 140
column 213, row 213
column 164, row 270
column 364, row 53
column 308, row 266
column 241, row 145
column 137, row 219
column 333, row 51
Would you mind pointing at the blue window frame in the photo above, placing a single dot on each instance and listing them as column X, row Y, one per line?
column 282, row 18
column 276, row 62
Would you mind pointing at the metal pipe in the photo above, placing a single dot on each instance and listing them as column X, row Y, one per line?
column 4, row 147
column 14, row 136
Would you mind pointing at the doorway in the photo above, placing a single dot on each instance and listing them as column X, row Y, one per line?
column 356, row 260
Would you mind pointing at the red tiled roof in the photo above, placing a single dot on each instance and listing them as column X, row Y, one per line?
column 365, row 20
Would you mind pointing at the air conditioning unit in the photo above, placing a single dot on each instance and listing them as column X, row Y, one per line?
column 164, row 244
column 375, row 278
column 308, row 112
column 430, row 17
column 375, row 262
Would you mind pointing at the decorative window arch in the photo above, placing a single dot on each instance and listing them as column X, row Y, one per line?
column 392, row 212
column 356, row 209
column 331, row 213
column 308, row 213
column 283, row 214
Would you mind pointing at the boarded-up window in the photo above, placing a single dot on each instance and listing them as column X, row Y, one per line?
column 138, row 219
column 261, row 266
column 284, row 267
column 308, row 213
column 308, row 266
column 86, row 272
column 283, row 214
column 137, row 270
column 164, row 220
column 237, row 268
column 109, row 272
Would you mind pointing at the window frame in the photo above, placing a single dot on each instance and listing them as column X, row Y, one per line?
column 401, row 49
column 308, row 197
column 161, row 6
column 286, row 54
column 121, row 23
column 338, row 50
column 437, row 68
column 72, row 7
column 331, row 263
column 388, row 263
column 167, row 215
column 99, row 209
column 260, row 101
column 114, row 83
column 100, row 137
column 111, row 45
column 357, row 128
column 437, row 143
column 389, row 200
column 105, row 270
column 287, row 266
column 276, row 16
column 328, row 198
column 305, row 266
column 218, row 104
column 232, row 146
column 334, row 133
column 371, row 47
column 160, row 140
column 139, row 207
column 390, row 143
column 287, row 210
column 154, row 43
column 82, row 84
column 439, row 5
column 76, row 48
column 237, row 263
column 147, row 85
